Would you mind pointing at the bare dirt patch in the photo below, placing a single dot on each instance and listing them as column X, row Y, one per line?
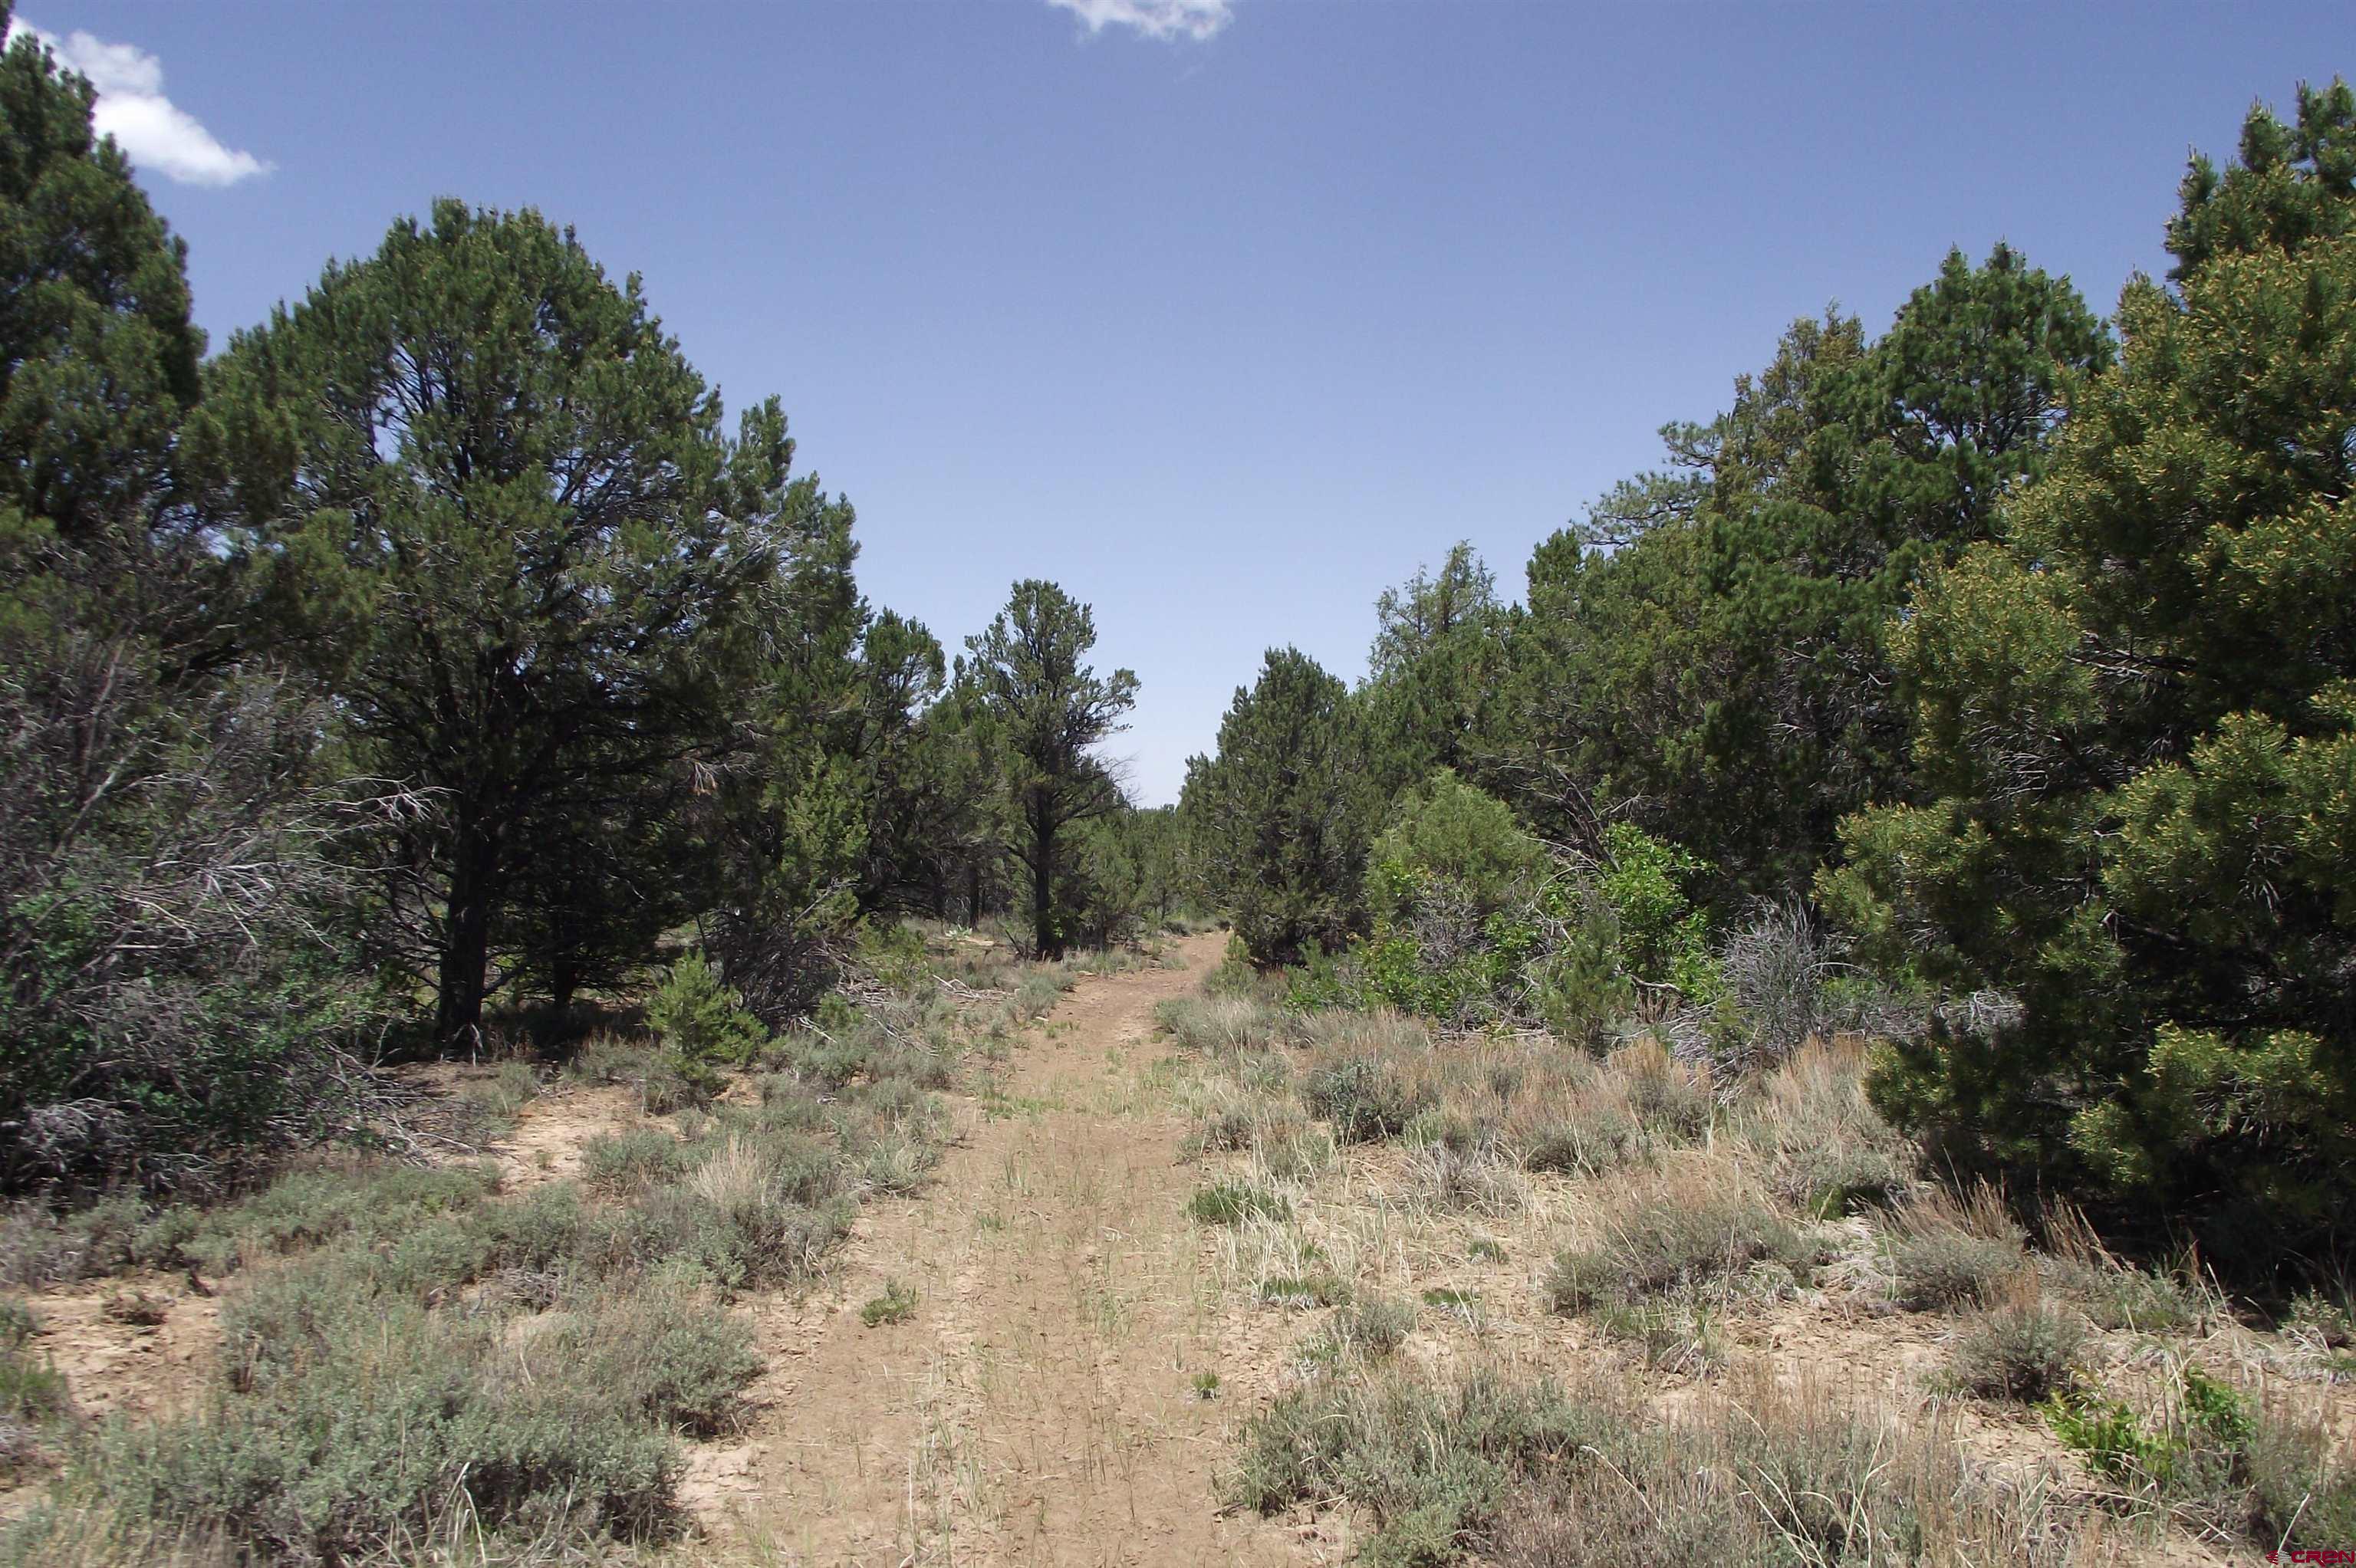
column 1041, row 1401
column 138, row 1344
column 545, row 1144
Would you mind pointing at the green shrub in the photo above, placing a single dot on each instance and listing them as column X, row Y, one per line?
column 1365, row 1097
column 702, row 1023
column 2109, row 1436
column 637, row 1157
column 1451, row 834
column 1233, row 1202
column 2213, row 1458
column 1297, row 1291
column 896, row 1304
column 1662, row 937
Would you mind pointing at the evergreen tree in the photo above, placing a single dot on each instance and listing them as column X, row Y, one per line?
column 2135, row 716
column 166, row 1000
column 1278, row 814
column 1438, row 649
column 1714, row 632
column 1048, row 710
column 506, row 532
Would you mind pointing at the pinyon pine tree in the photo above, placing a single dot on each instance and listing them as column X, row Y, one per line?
column 2136, row 717
column 507, row 534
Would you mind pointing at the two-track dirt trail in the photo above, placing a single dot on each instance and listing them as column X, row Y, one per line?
column 1042, row 1403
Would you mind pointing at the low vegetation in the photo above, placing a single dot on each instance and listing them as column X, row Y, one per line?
column 411, row 1354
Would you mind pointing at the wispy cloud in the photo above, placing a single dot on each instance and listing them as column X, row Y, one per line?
column 1195, row 19
column 132, row 108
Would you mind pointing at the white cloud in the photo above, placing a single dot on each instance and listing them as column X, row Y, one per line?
column 1195, row 19
column 132, row 108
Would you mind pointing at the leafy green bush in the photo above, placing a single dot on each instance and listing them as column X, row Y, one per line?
column 2210, row 1456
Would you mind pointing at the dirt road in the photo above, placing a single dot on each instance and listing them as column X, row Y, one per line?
column 1047, row 1401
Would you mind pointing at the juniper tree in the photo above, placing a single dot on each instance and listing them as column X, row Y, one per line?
column 1279, row 815
column 165, row 1000
column 1048, row 711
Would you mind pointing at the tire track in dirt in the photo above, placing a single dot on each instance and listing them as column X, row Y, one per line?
column 1041, row 1405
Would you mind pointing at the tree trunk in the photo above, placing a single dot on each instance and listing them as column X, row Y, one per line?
column 1046, row 937
column 563, row 985
column 465, row 942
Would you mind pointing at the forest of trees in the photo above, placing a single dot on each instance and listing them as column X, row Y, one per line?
column 1995, row 674
column 436, row 654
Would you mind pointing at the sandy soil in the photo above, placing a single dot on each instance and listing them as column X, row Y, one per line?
column 1040, row 1406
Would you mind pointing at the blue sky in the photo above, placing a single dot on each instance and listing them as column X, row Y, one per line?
column 1224, row 314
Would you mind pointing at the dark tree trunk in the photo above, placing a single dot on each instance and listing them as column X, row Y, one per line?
column 973, row 894
column 1047, row 935
column 465, row 941
column 563, row 985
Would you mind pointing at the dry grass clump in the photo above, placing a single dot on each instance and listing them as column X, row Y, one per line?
column 1687, row 1229
column 2114, row 1293
column 1563, row 1111
column 1528, row 1474
column 34, row 1399
column 1948, row 1250
column 1828, row 1152
column 1455, row 1179
column 2022, row 1349
column 1221, row 1028
column 1231, row 1118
